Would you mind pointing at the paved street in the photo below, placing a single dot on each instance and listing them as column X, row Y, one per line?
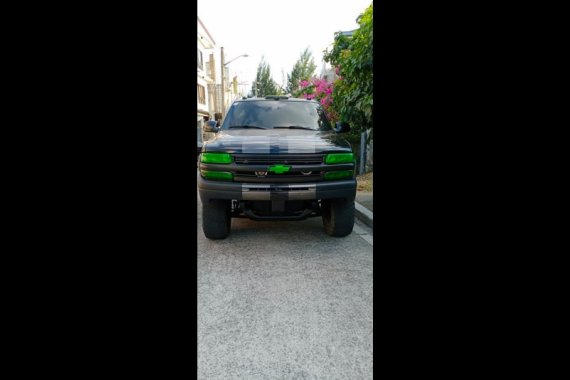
column 283, row 300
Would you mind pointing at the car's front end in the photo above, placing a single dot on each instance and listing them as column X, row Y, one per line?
column 277, row 170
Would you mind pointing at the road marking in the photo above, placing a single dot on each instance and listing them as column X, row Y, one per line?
column 363, row 234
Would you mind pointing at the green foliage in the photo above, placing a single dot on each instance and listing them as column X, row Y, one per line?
column 303, row 69
column 353, row 90
column 264, row 84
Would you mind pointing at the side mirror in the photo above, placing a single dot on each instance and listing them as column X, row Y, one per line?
column 211, row 126
column 342, row 127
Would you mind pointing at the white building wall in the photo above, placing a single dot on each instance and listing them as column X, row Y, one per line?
column 328, row 73
column 206, row 46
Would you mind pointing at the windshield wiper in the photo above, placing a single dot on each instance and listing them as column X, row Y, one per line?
column 246, row 126
column 294, row 127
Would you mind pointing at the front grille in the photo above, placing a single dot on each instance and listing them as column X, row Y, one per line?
column 254, row 168
column 270, row 159
column 266, row 160
column 285, row 177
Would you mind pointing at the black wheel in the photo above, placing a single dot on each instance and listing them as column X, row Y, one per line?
column 338, row 216
column 216, row 219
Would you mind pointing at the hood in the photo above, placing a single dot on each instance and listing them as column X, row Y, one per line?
column 276, row 141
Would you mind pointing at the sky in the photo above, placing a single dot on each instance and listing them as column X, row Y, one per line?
column 277, row 30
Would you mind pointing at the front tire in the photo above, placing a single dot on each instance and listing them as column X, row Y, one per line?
column 338, row 216
column 216, row 219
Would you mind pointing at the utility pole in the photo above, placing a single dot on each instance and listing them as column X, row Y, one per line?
column 223, row 89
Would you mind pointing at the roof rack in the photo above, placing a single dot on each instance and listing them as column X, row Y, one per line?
column 276, row 97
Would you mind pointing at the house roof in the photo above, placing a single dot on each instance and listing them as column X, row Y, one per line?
column 208, row 33
column 348, row 33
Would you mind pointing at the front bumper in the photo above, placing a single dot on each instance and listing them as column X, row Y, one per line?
column 276, row 191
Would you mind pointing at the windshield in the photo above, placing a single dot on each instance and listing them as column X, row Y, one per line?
column 268, row 114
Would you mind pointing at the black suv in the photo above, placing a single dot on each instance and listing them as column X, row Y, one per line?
column 276, row 158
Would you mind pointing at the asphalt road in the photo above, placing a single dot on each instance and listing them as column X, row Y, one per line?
column 283, row 300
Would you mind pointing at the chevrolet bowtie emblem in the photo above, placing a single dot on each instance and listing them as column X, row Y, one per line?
column 279, row 169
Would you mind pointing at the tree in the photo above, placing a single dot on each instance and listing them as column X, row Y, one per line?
column 303, row 69
column 353, row 90
column 263, row 84
column 321, row 91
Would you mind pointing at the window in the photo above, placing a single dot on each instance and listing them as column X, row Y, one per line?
column 201, row 95
column 271, row 113
column 200, row 60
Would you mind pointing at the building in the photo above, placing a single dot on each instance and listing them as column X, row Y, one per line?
column 328, row 73
column 209, row 83
column 231, row 89
column 206, row 82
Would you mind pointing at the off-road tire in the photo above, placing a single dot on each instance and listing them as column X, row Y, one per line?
column 338, row 216
column 216, row 219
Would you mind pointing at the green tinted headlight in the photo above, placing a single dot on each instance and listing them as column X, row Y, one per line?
column 219, row 176
column 339, row 158
column 338, row 174
column 216, row 158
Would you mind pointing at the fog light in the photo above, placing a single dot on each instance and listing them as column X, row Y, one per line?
column 338, row 174
column 221, row 176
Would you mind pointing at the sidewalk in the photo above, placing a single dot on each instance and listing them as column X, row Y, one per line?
column 364, row 207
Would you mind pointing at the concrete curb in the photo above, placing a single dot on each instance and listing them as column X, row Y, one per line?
column 363, row 214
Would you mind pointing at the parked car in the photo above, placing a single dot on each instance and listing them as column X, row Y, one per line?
column 276, row 158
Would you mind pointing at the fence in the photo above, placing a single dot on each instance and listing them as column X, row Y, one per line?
column 365, row 158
